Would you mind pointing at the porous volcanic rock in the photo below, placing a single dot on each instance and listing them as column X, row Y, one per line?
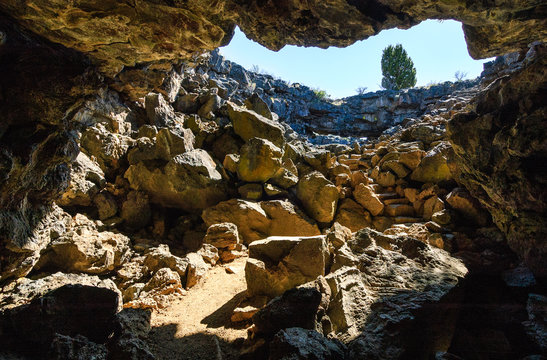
column 189, row 181
column 258, row 220
column 501, row 150
column 119, row 34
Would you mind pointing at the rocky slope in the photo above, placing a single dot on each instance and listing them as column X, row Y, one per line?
column 203, row 172
column 323, row 120
column 127, row 173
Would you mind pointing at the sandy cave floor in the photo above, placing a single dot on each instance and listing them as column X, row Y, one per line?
column 197, row 326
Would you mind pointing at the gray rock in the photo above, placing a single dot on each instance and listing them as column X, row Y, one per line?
column 301, row 344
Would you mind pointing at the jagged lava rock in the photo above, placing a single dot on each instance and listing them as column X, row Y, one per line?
column 189, row 181
column 319, row 196
column 277, row 264
column 259, row 160
column 259, row 220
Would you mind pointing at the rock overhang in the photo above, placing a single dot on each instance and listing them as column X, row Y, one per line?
column 118, row 34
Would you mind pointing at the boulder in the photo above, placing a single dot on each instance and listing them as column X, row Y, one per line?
column 79, row 347
column 189, row 181
column 366, row 196
column 33, row 311
column 318, row 195
column 164, row 145
column 248, row 124
column 434, row 166
column 25, row 233
column 303, row 344
column 86, row 180
column 160, row 257
column 136, row 211
column 172, row 142
column 389, row 289
column 412, row 158
column 222, row 236
column 106, row 205
column 294, row 308
column 160, row 113
column 259, row 160
column 337, row 235
column 259, row 220
column 259, row 106
column 352, row 215
column 106, row 148
column 86, row 249
column 462, row 201
column 277, row 264
column 348, row 296
column 250, row 191
column 431, row 206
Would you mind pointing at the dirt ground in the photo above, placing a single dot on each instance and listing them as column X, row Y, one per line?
column 198, row 327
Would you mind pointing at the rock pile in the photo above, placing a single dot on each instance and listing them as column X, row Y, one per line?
column 348, row 242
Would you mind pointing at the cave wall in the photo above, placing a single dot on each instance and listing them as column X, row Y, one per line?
column 502, row 154
column 54, row 54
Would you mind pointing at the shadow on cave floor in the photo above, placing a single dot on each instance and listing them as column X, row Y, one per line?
column 479, row 319
column 166, row 345
column 221, row 317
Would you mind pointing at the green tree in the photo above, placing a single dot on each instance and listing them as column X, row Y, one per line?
column 397, row 68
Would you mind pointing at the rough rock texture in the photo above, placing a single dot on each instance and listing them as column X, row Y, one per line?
column 319, row 196
column 302, row 344
column 501, row 148
column 277, row 264
column 33, row 311
column 294, row 308
column 85, row 249
column 189, row 181
column 25, row 233
column 259, row 220
column 119, row 35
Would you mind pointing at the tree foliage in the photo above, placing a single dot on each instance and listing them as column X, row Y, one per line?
column 397, row 68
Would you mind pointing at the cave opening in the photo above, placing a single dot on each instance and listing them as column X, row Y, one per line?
column 158, row 199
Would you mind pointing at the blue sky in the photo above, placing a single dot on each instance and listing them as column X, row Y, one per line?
column 437, row 48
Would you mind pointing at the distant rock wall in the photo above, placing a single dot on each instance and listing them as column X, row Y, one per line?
column 310, row 115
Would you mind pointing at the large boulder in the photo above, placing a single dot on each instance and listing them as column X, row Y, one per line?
column 25, row 233
column 86, row 180
column 393, row 291
column 160, row 113
column 256, row 221
column 34, row 311
column 302, row 344
column 259, row 160
column 86, row 249
column 352, row 215
column 189, row 181
column 277, row 264
column 318, row 195
column 166, row 144
column 434, row 167
column 108, row 149
column 366, row 196
column 248, row 124
column 294, row 308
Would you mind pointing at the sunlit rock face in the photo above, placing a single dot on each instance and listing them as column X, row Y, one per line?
column 117, row 34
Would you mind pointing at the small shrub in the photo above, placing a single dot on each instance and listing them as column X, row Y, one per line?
column 460, row 75
column 321, row 94
column 361, row 90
